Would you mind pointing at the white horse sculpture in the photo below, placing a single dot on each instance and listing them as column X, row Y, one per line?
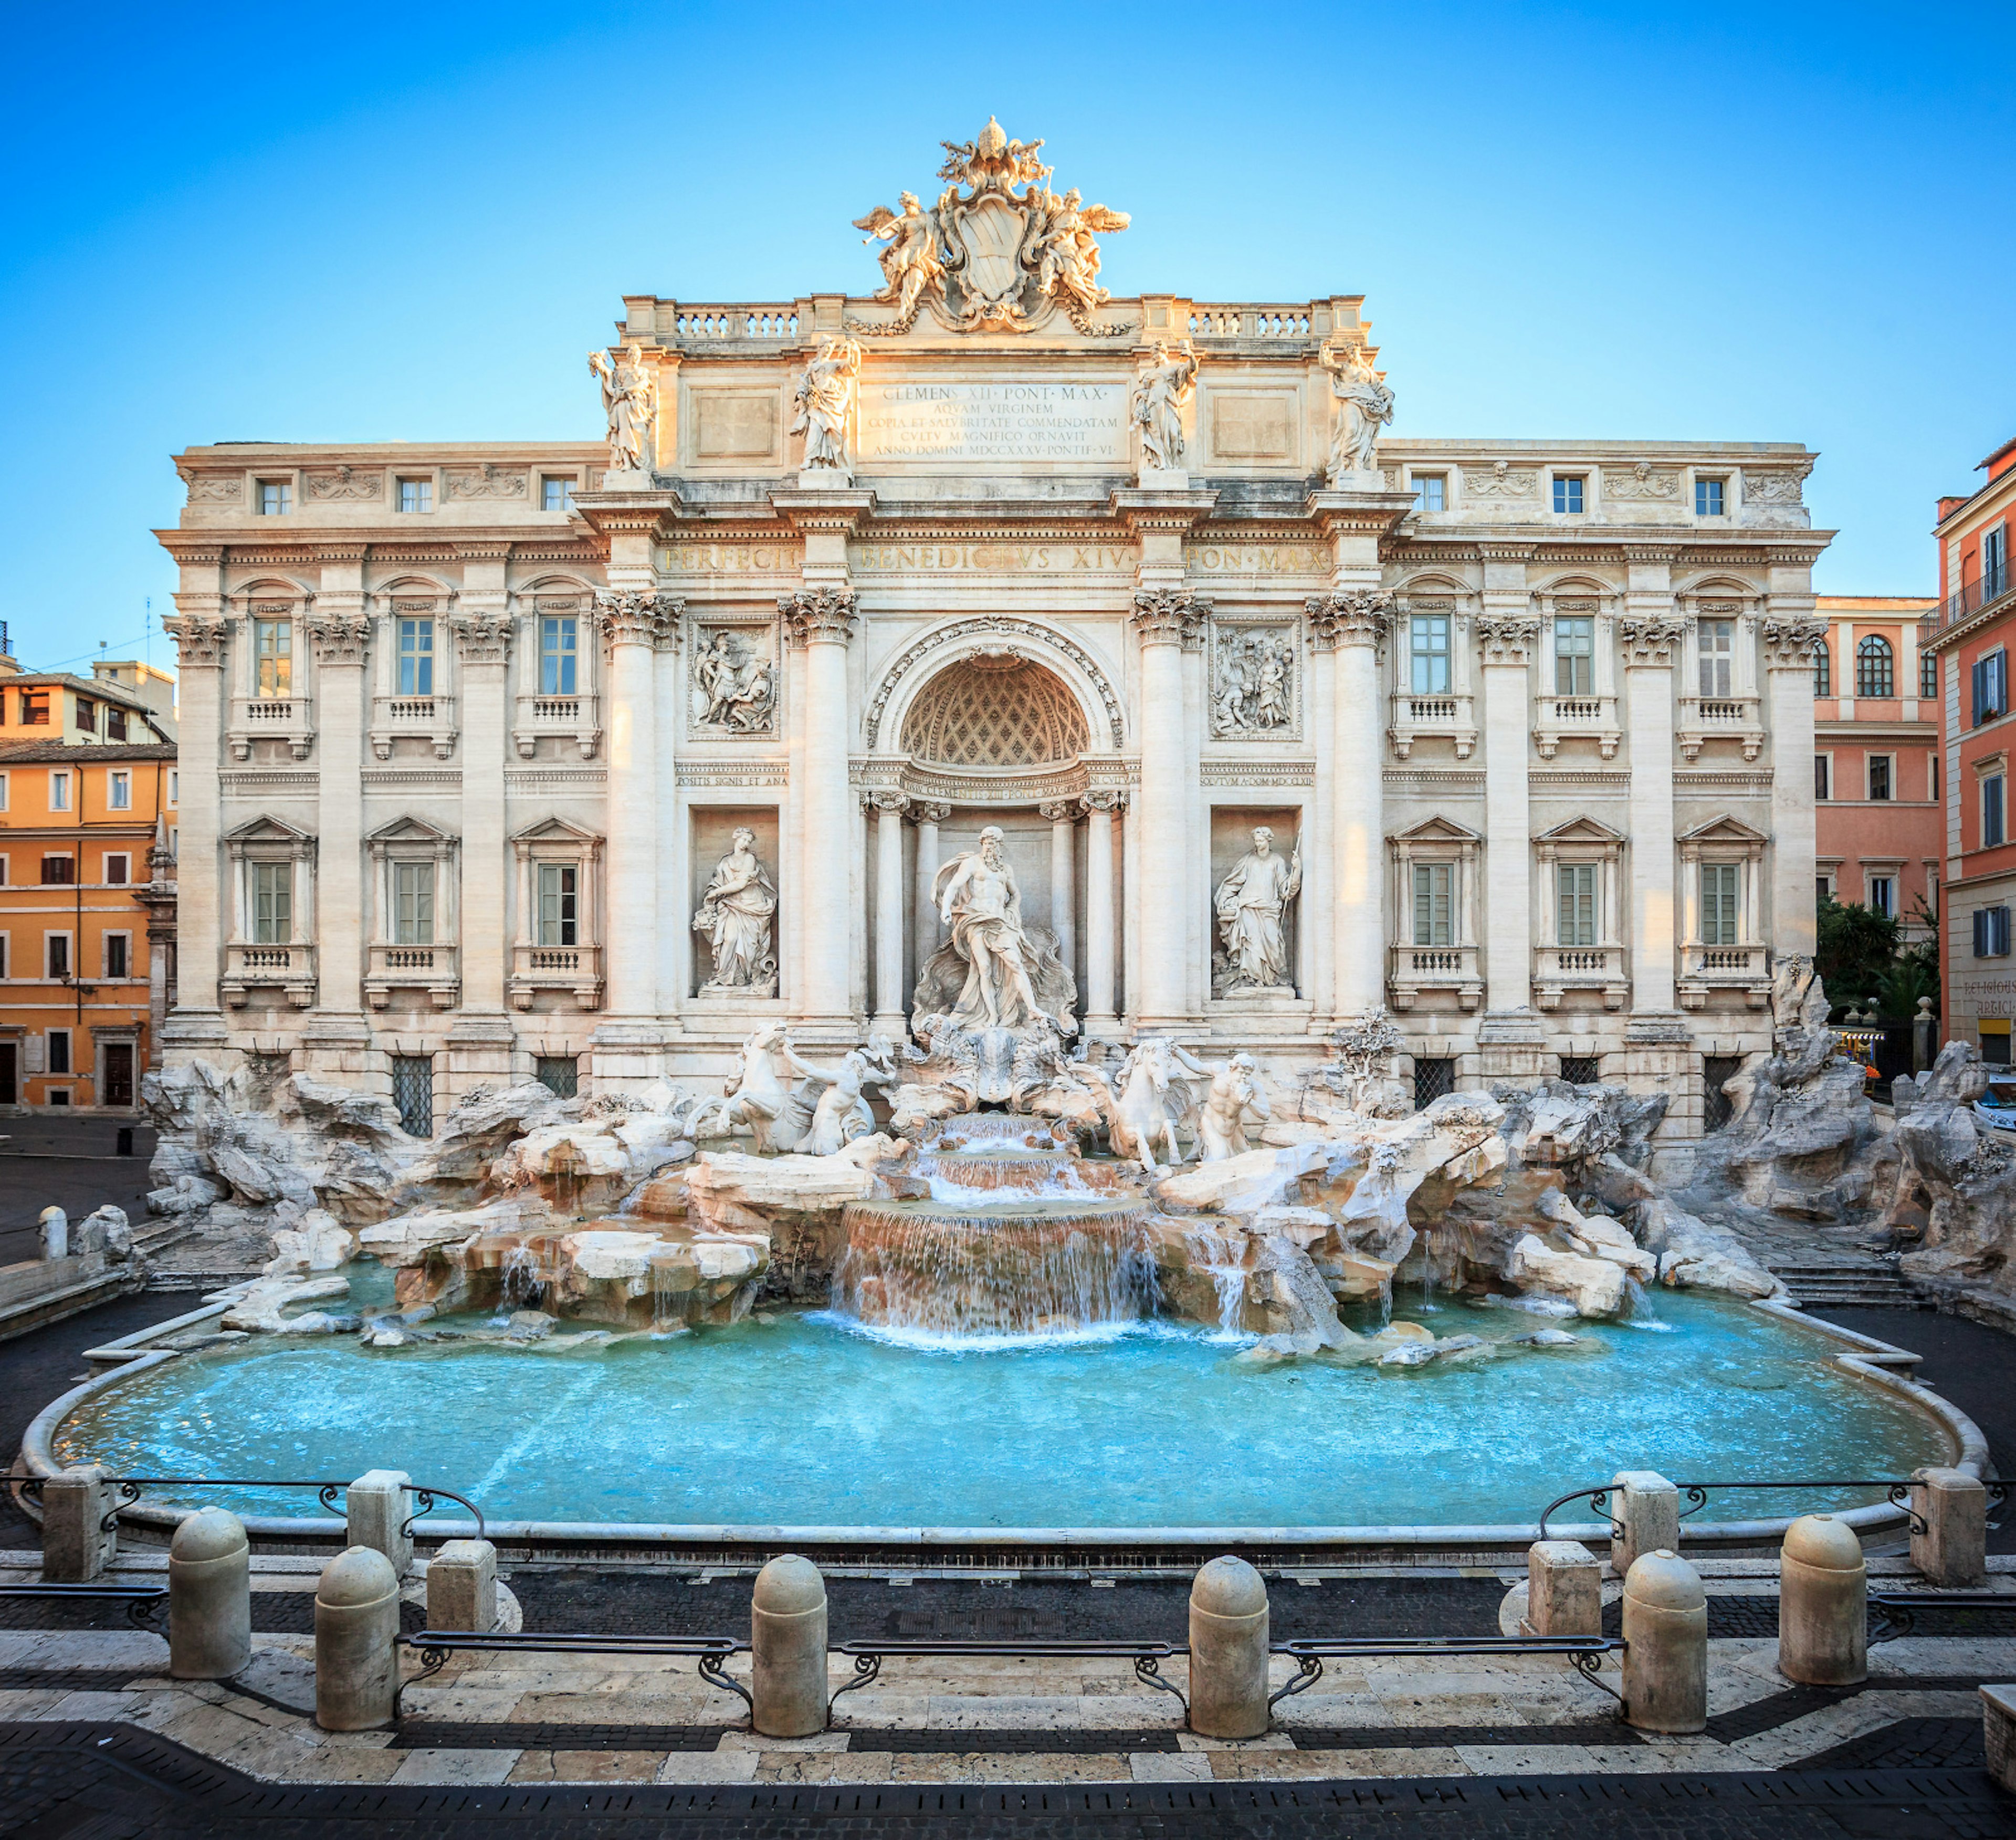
column 1144, row 1102
column 759, row 1094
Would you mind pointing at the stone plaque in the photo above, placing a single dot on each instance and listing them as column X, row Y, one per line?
column 1253, row 427
column 734, row 425
column 1041, row 423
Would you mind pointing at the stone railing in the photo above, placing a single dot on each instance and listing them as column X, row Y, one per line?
column 1706, row 968
column 768, row 320
column 289, row 719
column 577, row 716
column 1413, row 969
column 1438, row 713
column 428, row 718
column 433, row 968
column 1559, row 969
column 1243, row 320
column 248, row 967
column 1593, row 717
column 574, row 971
column 1719, row 718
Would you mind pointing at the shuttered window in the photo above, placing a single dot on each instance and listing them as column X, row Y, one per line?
column 1718, row 895
column 272, row 903
column 412, row 903
column 1432, row 907
column 557, row 904
column 1575, row 890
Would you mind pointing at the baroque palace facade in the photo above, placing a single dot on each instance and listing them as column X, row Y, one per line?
column 585, row 760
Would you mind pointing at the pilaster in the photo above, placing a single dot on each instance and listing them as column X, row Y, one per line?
column 335, row 1036
column 199, row 629
column 1352, row 624
column 1507, row 638
column 1650, row 634
column 1164, row 618
column 1790, row 632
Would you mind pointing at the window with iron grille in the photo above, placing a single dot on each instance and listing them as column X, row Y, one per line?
column 1433, row 1080
column 1582, row 1069
column 413, row 1093
column 559, row 1073
column 1717, row 1107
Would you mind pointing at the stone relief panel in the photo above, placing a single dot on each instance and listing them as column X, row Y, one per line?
column 486, row 482
column 1642, row 482
column 1255, row 682
column 1500, row 481
column 732, row 687
column 344, row 484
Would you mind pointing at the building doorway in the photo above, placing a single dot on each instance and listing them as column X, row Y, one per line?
column 118, row 1087
column 10, row 1090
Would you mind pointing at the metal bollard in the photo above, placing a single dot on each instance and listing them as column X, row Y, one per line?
column 1823, row 1604
column 1229, row 1651
column 356, row 1618
column 1563, row 1589
column 76, row 1541
column 378, row 1506
column 787, row 1643
column 210, row 1597
column 1645, row 1517
column 462, row 1586
column 1665, row 1654
column 1952, row 1507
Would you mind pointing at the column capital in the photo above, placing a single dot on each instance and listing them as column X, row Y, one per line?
column 1789, row 645
column 1358, row 616
column 628, row 616
column 898, row 802
column 822, row 615
column 482, row 638
column 929, row 811
column 1169, row 616
column 1649, row 643
column 337, row 638
column 1508, row 638
column 1103, row 801
column 1060, row 811
column 198, row 639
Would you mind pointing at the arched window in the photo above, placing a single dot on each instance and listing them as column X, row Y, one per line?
column 1823, row 670
column 1872, row 668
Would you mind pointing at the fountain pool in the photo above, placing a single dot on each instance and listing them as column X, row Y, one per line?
column 811, row 1419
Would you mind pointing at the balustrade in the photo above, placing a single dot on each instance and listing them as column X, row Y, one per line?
column 1413, row 969
column 248, row 967
column 434, row 967
column 573, row 971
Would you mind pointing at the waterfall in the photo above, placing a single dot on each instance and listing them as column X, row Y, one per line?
column 522, row 1283
column 1230, row 1280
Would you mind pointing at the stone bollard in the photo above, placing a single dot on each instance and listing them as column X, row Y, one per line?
column 55, row 1234
column 1952, row 1550
column 787, row 1645
column 462, row 1586
column 1229, row 1651
column 356, row 1618
column 379, row 1506
column 210, row 1597
column 1998, row 1732
column 1563, row 1589
column 1823, row 1604
column 1665, row 1654
column 76, row 1541
column 1645, row 1513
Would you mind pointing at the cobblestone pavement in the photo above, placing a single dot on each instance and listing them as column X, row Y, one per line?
column 72, row 1164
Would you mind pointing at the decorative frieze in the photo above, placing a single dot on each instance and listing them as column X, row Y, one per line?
column 486, row 482
column 1500, row 480
column 344, row 485
column 1643, row 482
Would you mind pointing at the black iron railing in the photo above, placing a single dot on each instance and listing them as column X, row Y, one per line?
column 142, row 1601
column 1896, row 1494
column 434, row 1646
column 1972, row 597
column 1148, row 1657
column 1583, row 1652
column 425, row 1499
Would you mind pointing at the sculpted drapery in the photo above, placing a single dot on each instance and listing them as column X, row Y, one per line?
column 1251, row 901
column 736, row 914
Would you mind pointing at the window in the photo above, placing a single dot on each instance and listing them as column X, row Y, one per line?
column 1932, row 776
column 59, row 792
column 115, row 722
column 174, row 786
column 55, row 948
column 1707, row 497
column 272, row 903
column 59, row 1095
column 276, row 497
column 417, row 494
column 1823, row 670
column 1873, row 672
column 1433, row 911
column 117, row 950
column 559, row 1073
column 1575, row 892
column 59, row 872
column 118, row 790
column 413, row 1093
column 1582, row 1069
column 1991, row 686
column 3, row 967
column 3, row 792
column 59, row 1057
column 412, row 903
column 1991, row 932
column 1567, row 493
column 1431, row 491
column 1717, row 1107
column 1428, row 651
column 1993, row 814
column 35, row 709
column 86, row 715
column 558, row 912
column 1994, row 562
column 273, row 657
column 1823, row 890
column 1718, row 657
column 1822, row 766
column 416, row 658
column 556, row 655
column 1879, row 776
column 1433, row 1079
column 1719, row 894
column 1883, row 895
column 555, row 493
column 1928, row 674
column 1574, row 656
column 118, row 869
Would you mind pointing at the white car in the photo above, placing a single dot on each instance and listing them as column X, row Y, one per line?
column 1998, row 1107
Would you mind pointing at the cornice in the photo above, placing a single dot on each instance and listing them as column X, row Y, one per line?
column 1146, row 510
column 839, row 510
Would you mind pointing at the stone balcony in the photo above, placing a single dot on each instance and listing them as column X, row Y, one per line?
column 428, row 718
column 290, row 719
column 248, row 968
column 1415, row 969
column 1453, row 715
column 435, row 969
column 1558, row 969
column 1706, row 969
column 571, row 970
column 576, row 718
column 1558, row 718
column 1704, row 719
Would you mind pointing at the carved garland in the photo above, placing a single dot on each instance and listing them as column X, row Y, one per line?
column 989, row 625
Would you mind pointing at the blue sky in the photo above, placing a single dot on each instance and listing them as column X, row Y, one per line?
column 406, row 222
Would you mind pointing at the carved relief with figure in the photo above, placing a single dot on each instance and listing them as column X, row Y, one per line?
column 1253, row 690
column 735, row 682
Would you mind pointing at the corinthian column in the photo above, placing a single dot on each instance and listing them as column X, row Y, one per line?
column 198, row 630
column 338, row 634
column 631, row 623
column 929, row 817
column 1649, row 640
column 1101, row 931
column 1063, row 815
column 1353, row 626
column 822, row 620
column 1789, row 640
column 1164, row 618
column 888, row 808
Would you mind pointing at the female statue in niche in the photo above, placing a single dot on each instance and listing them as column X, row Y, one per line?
column 1250, row 902
column 737, row 913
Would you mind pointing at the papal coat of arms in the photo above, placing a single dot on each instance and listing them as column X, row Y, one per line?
column 999, row 250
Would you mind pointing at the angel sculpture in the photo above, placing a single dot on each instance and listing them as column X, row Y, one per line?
column 1063, row 251
column 911, row 265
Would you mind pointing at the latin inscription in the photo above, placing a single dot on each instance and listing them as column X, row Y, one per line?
column 727, row 558
column 1045, row 422
column 992, row 558
column 1257, row 559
